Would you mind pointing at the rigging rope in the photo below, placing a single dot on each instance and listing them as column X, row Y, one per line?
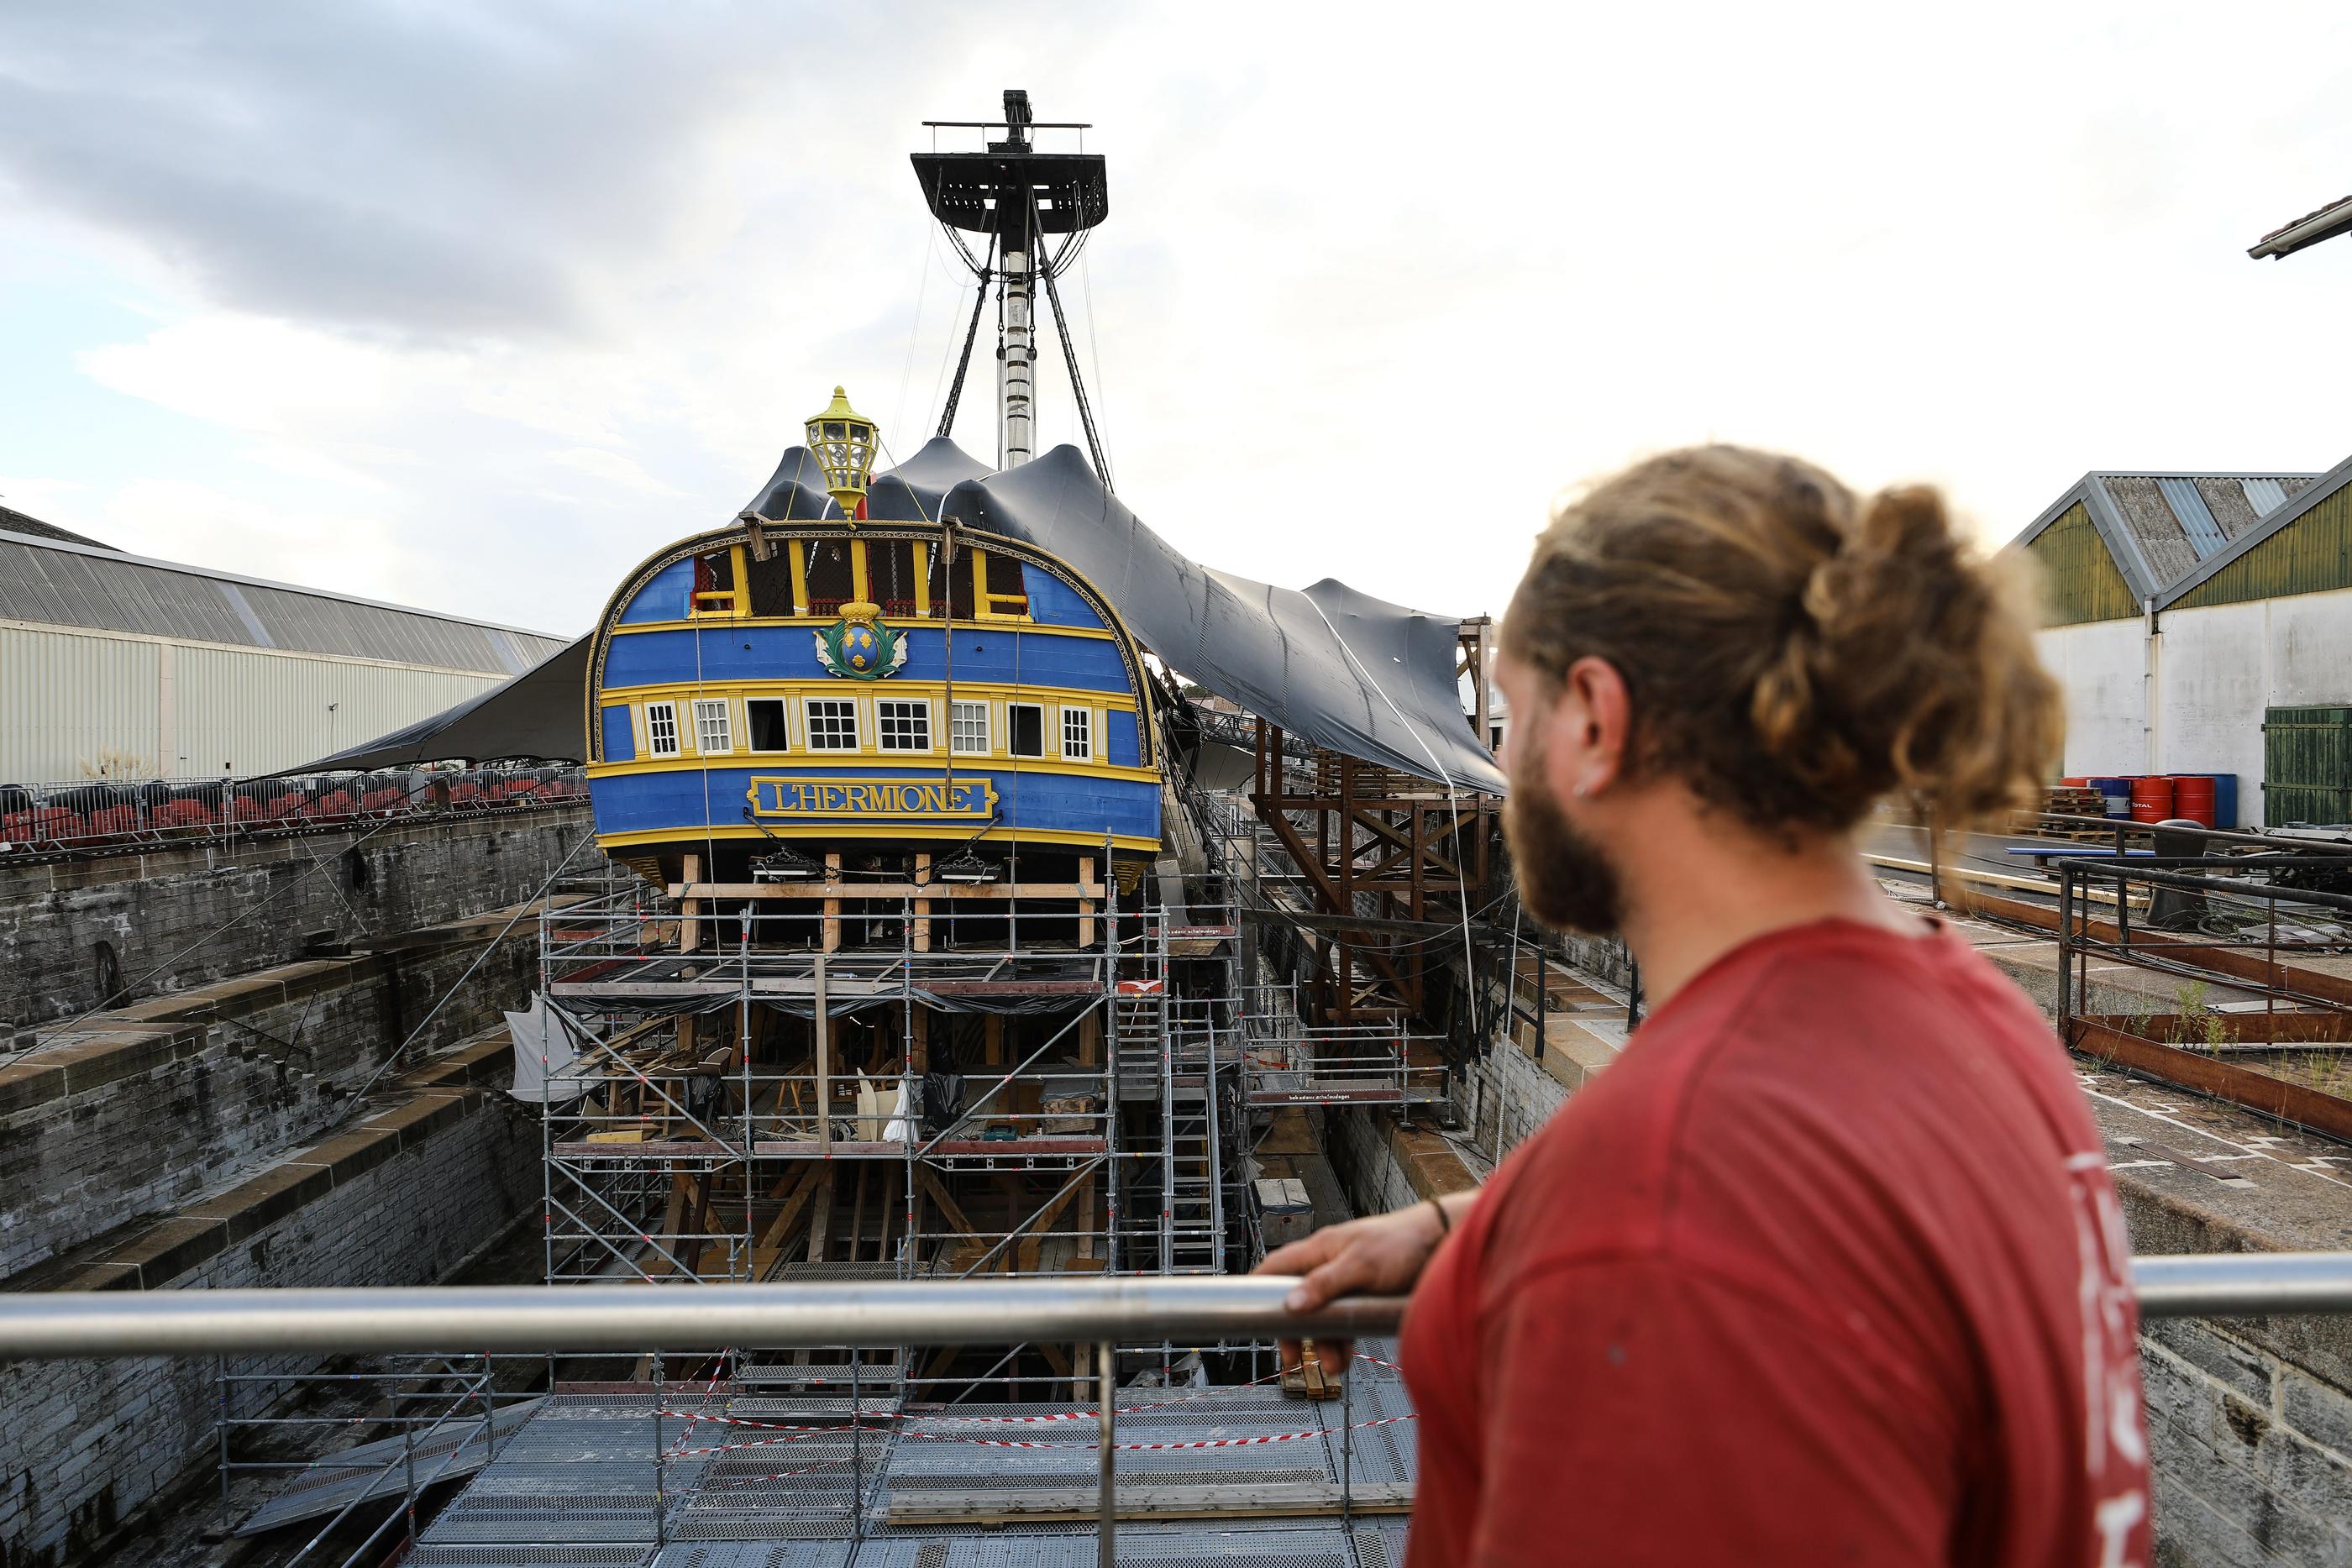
column 1070, row 358
column 979, row 304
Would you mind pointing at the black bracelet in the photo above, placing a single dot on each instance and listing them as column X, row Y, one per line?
column 1444, row 1223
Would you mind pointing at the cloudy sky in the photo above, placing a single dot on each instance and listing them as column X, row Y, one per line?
column 474, row 306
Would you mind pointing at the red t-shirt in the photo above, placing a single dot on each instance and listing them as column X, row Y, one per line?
column 1825, row 1268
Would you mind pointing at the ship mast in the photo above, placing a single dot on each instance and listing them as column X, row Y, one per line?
column 1018, row 198
column 1016, row 338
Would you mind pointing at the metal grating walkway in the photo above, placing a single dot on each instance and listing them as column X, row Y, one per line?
column 380, row 1469
column 576, row 1487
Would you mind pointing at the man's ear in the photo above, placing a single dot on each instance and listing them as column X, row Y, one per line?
column 1592, row 723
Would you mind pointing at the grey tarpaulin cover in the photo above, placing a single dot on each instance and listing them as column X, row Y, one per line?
column 1339, row 668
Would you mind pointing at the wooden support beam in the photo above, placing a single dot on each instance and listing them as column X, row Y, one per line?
column 857, row 1214
column 1086, row 905
column 822, row 1220
column 681, row 1188
column 1333, row 900
column 690, row 928
column 823, row 1020
column 949, row 1208
column 698, row 1226
column 922, row 879
column 832, row 903
column 770, row 1248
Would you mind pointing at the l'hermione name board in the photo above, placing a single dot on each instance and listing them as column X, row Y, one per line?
column 934, row 797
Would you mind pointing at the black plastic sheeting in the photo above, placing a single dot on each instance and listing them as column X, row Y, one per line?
column 537, row 715
column 1330, row 665
column 795, row 492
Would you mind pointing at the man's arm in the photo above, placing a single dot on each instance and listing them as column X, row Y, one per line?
column 1640, row 1410
column 1379, row 1255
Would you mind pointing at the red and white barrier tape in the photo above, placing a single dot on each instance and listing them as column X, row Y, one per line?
column 804, row 1434
column 800, row 1433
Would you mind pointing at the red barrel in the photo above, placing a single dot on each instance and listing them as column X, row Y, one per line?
column 2193, row 797
column 2151, row 798
column 2083, row 783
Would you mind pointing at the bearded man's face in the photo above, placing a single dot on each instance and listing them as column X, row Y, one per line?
column 1564, row 879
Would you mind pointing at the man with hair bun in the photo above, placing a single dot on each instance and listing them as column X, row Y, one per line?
column 1827, row 1266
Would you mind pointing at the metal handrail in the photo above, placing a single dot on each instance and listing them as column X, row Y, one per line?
column 477, row 1319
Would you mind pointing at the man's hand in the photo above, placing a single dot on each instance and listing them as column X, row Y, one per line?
column 1381, row 1255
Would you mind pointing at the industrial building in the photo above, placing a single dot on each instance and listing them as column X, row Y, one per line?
column 2202, row 623
column 116, row 666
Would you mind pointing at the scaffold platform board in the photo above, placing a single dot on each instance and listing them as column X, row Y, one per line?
column 380, row 1469
column 1233, row 1475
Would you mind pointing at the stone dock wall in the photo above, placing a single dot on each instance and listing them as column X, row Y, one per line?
column 207, row 1130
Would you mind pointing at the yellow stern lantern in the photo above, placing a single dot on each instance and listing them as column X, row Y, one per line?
column 843, row 440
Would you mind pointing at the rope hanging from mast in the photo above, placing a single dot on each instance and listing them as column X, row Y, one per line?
column 1070, row 354
column 984, row 271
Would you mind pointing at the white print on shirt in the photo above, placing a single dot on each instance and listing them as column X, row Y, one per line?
column 2116, row 1518
column 2114, row 1426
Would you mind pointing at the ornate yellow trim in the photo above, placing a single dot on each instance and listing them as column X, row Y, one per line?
column 943, row 829
column 965, row 761
column 832, row 686
column 815, row 621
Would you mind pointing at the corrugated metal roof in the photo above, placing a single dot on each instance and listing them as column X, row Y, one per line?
column 2263, row 496
column 2196, row 518
column 52, row 582
column 16, row 522
column 2163, row 542
column 2304, row 493
column 2161, row 529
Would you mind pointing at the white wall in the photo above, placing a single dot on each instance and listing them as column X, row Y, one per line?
column 2213, row 683
column 2101, row 667
column 80, row 705
column 2311, row 649
column 2216, row 670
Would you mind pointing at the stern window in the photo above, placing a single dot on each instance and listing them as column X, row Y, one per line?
column 906, row 724
column 1078, row 735
column 712, row 735
column 971, row 729
column 766, row 716
column 1025, row 729
column 661, row 729
column 831, row 723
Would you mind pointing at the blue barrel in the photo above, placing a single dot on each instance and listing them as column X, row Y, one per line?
column 2118, row 793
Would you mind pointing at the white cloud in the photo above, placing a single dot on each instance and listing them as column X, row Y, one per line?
column 608, row 468
column 341, row 552
column 1369, row 297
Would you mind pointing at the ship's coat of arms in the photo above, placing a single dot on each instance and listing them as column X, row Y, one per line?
column 859, row 647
